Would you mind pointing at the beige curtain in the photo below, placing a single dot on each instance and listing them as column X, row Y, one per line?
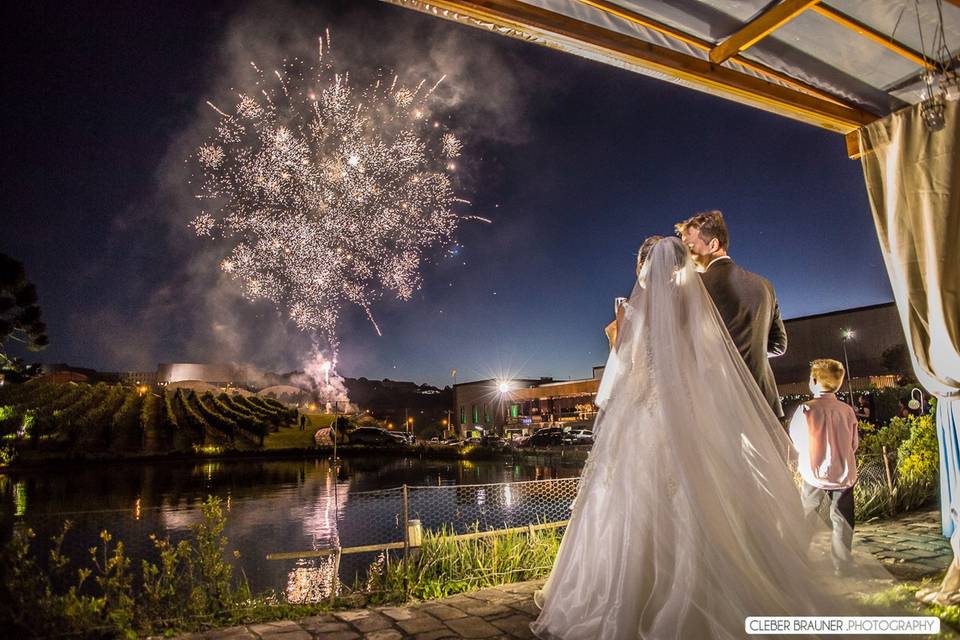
column 913, row 180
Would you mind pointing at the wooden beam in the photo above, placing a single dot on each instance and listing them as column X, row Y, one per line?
column 654, row 25
column 645, row 21
column 329, row 551
column 758, row 28
column 531, row 23
column 852, row 141
column 869, row 32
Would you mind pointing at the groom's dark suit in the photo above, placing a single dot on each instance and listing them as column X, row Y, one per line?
column 749, row 308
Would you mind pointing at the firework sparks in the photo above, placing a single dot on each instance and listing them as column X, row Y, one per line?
column 332, row 195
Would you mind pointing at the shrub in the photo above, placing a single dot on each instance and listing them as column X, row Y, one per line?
column 192, row 425
column 242, row 416
column 71, row 395
column 253, row 408
column 191, row 588
column 207, row 407
column 873, row 440
column 10, row 419
column 93, row 426
column 918, row 463
column 154, row 422
column 915, row 469
column 126, row 428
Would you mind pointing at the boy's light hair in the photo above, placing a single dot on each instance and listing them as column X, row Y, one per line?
column 828, row 373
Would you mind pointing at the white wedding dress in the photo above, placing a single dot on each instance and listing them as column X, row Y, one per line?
column 687, row 519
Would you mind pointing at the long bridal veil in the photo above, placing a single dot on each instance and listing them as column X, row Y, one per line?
column 688, row 519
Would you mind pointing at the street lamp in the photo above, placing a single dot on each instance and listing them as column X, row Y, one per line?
column 503, row 388
column 845, row 336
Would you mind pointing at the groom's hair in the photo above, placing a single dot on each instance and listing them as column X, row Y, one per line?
column 828, row 374
column 710, row 224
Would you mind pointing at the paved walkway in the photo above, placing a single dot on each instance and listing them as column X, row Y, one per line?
column 910, row 546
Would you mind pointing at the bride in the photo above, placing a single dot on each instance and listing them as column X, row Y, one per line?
column 687, row 519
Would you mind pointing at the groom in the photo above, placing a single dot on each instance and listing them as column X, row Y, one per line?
column 747, row 302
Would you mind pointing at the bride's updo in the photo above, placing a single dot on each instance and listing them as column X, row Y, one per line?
column 645, row 250
column 679, row 252
column 672, row 252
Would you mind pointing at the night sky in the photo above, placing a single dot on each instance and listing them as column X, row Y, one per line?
column 575, row 162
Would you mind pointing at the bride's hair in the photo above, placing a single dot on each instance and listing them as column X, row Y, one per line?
column 678, row 255
column 645, row 250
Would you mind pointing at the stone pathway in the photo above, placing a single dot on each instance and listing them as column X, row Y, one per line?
column 911, row 546
column 497, row 613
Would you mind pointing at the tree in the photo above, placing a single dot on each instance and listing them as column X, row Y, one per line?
column 19, row 311
column 896, row 360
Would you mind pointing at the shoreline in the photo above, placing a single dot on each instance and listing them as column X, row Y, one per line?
column 40, row 461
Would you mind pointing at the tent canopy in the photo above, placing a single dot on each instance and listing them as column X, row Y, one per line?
column 839, row 64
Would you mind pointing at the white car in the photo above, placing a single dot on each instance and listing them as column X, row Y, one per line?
column 578, row 436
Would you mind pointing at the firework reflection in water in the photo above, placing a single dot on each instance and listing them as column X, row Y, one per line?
column 331, row 195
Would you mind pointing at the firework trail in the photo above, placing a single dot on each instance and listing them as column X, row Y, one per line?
column 331, row 195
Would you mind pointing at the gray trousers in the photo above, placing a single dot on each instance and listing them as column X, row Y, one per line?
column 840, row 517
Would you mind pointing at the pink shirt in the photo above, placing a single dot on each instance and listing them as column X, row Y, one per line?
column 824, row 431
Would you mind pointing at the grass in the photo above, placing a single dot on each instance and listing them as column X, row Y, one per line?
column 899, row 600
column 445, row 566
column 292, row 438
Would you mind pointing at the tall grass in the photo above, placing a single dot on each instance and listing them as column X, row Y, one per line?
column 444, row 565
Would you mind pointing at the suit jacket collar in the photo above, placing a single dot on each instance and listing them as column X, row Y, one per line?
column 721, row 259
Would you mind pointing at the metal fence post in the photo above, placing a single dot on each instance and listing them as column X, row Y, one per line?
column 335, row 587
column 406, row 540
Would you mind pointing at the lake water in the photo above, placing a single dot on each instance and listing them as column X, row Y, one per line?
column 277, row 506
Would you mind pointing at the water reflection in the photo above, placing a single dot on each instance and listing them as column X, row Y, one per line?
column 19, row 498
column 272, row 506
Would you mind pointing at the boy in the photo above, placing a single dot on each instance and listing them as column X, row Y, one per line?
column 824, row 431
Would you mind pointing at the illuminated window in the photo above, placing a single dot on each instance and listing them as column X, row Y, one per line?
column 515, row 411
column 475, row 410
column 463, row 414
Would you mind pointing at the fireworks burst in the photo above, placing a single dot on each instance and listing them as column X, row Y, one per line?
column 333, row 195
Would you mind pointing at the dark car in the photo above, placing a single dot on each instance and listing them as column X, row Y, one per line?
column 492, row 440
column 546, row 437
column 376, row 436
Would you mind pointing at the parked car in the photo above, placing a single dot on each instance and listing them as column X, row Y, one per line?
column 546, row 437
column 375, row 436
column 578, row 436
column 491, row 440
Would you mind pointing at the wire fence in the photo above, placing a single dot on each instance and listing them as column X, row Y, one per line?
column 882, row 491
column 377, row 527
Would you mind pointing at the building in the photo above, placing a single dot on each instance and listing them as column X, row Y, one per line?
column 148, row 378
column 498, row 406
column 873, row 331
column 216, row 374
